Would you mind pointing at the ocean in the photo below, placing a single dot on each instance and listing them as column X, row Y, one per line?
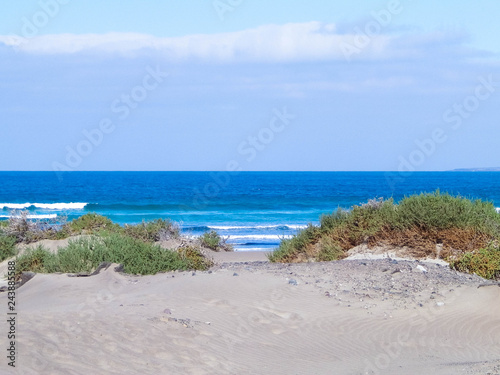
column 254, row 209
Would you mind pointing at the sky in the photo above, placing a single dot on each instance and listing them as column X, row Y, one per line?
column 399, row 85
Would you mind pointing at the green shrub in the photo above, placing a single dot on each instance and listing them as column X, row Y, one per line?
column 290, row 248
column 286, row 252
column 419, row 222
column 33, row 260
column 443, row 211
column 87, row 253
column 7, row 247
column 329, row 250
column 210, row 239
column 152, row 231
column 194, row 258
column 27, row 231
column 484, row 262
column 142, row 258
column 214, row 241
column 81, row 255
column 90, row 223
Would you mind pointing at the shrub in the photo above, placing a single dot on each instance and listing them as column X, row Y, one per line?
column 484, row 262
column 33, row 260
column 21, row 228
column 194, row 258
column 210, row 239
column 152, row 231
column 214, row 241
column 90, row 223
column 26, row 230
column 7, row 247
column 87, row 253
column 443, row 211
column 296, row 248
column 419, row 222
column 329, row 250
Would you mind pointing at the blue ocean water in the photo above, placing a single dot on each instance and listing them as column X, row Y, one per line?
column 255, row 209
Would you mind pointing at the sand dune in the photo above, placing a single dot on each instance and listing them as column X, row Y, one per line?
column 348, row 317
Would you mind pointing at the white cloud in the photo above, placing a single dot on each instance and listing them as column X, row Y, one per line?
column 312, row 41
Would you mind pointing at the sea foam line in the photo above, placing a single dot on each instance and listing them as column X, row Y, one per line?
column 276, row 226
column 259, row 237
column 47, row 206
column 49, row 216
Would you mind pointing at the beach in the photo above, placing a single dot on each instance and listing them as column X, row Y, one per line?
column 248, row 316
column 235, row 187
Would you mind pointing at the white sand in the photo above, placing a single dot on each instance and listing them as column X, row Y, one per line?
column 339, row 318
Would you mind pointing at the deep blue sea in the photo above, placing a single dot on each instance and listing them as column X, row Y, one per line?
column 255, row 209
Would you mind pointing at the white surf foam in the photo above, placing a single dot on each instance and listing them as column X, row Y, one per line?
column 50, row 216
column 46, row 206
column 242, row 249
column 276, row 226
column 259, row 237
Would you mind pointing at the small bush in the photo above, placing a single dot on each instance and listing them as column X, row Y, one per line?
column 87, row 253
column 34, row 260
column 210, row 239
column 329, row 250
column 90, row 223
column 484, row 263
column 21, row 228
column 214, row 241
column 419, row 222
column 7, row 247
column 194, row 258
column 443, row 211
column 152, row 231
column 298, row 247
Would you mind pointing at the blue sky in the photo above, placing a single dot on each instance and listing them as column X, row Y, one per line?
column 255, row 85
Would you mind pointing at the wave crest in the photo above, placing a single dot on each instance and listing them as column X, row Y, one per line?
column 46, row 206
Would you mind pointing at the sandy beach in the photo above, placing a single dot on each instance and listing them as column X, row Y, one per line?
column 247, row 316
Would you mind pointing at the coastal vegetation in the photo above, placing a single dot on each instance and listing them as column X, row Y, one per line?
column 87, row 253
column 215, row 242
column 464, row 232
column 95, row 239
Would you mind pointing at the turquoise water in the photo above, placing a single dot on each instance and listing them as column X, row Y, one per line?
column 255, row 209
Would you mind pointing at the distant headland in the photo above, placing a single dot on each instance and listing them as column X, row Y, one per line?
column 493, row 169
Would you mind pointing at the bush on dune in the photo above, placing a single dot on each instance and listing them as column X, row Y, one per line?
column 483, row 262
column 34, row 260
column 132, row 245
column 215, row 242
column 27, row 231
column 152, row 231
column 420, row 222
column 89, row 224
column 86, row 254
column 7, row 247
